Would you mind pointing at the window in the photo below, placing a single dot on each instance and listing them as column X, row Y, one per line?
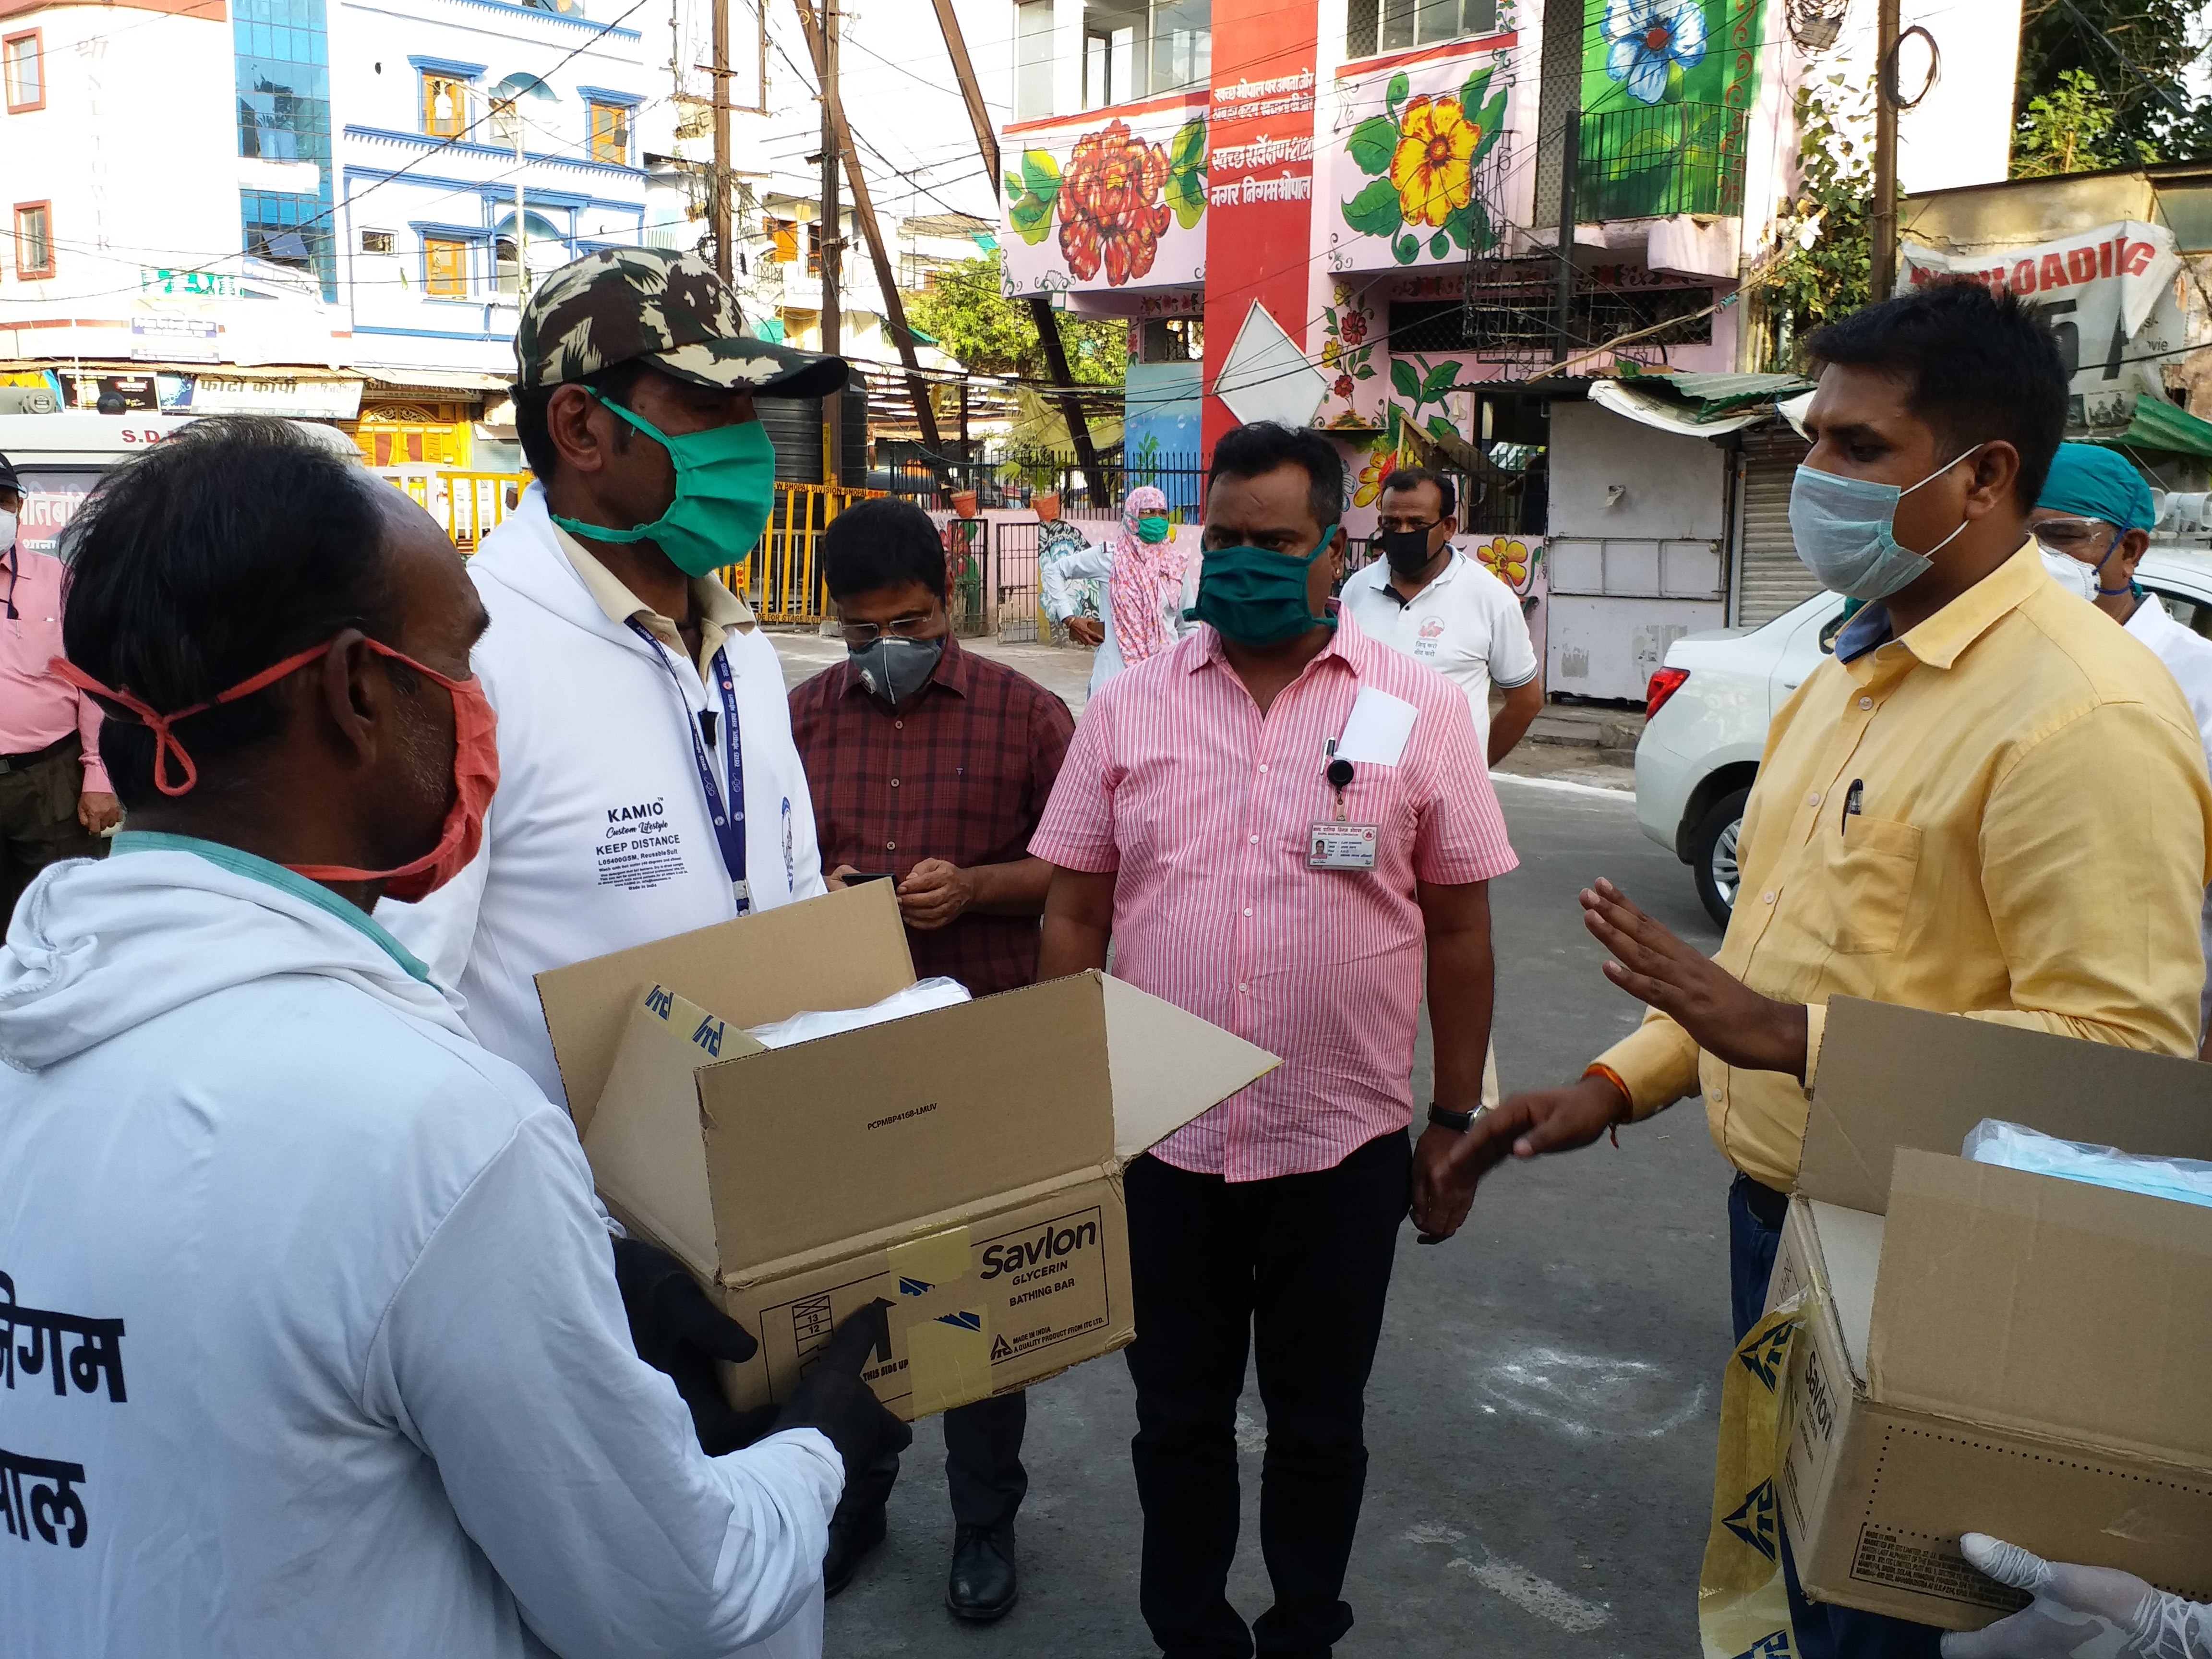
column 34, row 240
column 1032, row 59
column 445, row 268
column 611, row 133
column 507, row 269
column 280, row 51
column 26, row 72
column 378, row 241
column 445, row 105
column 783, row 240
column 1376, row 26
column 505, row 122
column 814, row 248
column 1182, row 43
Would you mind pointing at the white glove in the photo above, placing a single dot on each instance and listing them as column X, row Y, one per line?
column 2079, row 1612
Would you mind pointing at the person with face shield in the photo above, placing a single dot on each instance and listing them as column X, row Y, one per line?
column 1141, row 572
column 2094, row 517
column 1425, row 598
column 1989, row 802
column 930, row 768
column 1272, row 824
column 349, row 1369
column 54, row 796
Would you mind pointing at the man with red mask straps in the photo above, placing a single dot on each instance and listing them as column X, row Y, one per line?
column 314, row 1342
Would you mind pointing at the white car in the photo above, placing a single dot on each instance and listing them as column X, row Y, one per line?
column 1707, row 706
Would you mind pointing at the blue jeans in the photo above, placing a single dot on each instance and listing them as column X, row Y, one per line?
column 1823, row 1631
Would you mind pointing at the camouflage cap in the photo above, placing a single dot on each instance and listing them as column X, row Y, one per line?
column 622, row 303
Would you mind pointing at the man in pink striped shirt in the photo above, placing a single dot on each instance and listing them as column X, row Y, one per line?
column 54, row 795
column 1270, row 821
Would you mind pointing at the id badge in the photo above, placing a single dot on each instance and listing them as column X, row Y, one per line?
column 1337, row 846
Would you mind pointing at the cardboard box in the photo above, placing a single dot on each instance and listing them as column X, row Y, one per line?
column 1992, row 1351
column 963, row 1164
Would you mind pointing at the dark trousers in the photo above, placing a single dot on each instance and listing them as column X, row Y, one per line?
column 38, row 822
column 982, row 1466
column 1823, row 1631
column 1298, row 1266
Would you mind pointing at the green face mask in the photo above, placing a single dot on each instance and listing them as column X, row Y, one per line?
column 1254, row 597
column 1151, row 529
column 725, row 490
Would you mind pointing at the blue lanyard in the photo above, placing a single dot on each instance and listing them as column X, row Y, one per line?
column 729, row 826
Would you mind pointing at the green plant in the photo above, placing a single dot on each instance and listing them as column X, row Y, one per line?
column 1424, row 152
column 2138, row 51
column 971, row 319
column 1826, row 260
column 2069, row 130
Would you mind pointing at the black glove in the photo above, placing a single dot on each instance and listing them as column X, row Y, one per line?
column 677, row 1330
column 832, row 1397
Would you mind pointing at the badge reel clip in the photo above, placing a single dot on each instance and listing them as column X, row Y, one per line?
column 1333, row 843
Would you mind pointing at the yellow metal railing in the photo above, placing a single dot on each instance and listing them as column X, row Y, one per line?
column 471, row 505
column 782, row 579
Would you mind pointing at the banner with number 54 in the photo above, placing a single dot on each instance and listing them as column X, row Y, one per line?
column 2111, row 293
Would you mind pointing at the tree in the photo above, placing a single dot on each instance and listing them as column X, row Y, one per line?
column 2138, row 51
column 2069, row 130
column 1826, row 260
column 970, row 318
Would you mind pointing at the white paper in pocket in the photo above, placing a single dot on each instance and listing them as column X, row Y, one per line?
column 1375, row 734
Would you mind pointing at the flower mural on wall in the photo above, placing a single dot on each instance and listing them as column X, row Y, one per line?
column 1347, row 352
column 1112, row 200
column 1422, row 155
column 1380, row 465
column 1433, row 165
column 1650, row 43
column 1507, row 558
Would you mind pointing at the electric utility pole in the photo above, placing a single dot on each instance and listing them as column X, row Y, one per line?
column 718, row 209
column 831, row 242
column 863, row 210
column 1881, row 222
column 1040, row 313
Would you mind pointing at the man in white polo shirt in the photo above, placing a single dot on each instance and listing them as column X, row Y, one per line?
column 1427, row 598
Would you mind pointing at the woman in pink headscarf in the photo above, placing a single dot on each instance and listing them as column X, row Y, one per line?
column 1142, row 567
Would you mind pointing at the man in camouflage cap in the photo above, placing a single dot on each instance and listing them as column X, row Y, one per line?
column 624, row 303
column 648, row 783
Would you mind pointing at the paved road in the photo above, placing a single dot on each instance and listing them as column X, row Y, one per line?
column 1542, row 1417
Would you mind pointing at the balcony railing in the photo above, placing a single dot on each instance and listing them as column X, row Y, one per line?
column 1670, row 158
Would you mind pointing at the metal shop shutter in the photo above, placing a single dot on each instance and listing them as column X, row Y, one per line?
column 1770, row 577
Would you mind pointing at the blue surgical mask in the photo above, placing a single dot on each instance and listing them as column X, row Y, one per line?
column 1843, row 531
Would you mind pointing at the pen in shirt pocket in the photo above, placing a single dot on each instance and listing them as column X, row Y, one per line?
column 1853, row 797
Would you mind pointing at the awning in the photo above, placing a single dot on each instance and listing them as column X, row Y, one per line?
column 2161, row 425
column 411, row 382
column 1653, row 407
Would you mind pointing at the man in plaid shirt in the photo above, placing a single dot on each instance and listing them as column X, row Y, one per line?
column 931, row 767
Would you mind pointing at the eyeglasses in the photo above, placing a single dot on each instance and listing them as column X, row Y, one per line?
column 2075, row 536
column 898, row 627
column 1396, row 525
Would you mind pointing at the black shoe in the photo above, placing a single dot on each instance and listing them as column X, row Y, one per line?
column 850, row 1540
column 982, row 1585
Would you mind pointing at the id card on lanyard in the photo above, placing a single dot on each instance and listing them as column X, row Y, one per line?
column 728, row 817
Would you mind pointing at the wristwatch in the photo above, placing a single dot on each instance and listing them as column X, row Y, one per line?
column 1462, row 1122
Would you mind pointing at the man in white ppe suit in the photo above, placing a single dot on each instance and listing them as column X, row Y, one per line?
column 651, row 786
column 313, row 1336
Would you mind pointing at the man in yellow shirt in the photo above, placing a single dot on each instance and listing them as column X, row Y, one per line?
column 1990, row 802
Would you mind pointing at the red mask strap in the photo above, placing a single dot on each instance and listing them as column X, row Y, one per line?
column 165, row 740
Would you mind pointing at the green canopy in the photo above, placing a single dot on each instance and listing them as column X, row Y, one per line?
column 2158, row 424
